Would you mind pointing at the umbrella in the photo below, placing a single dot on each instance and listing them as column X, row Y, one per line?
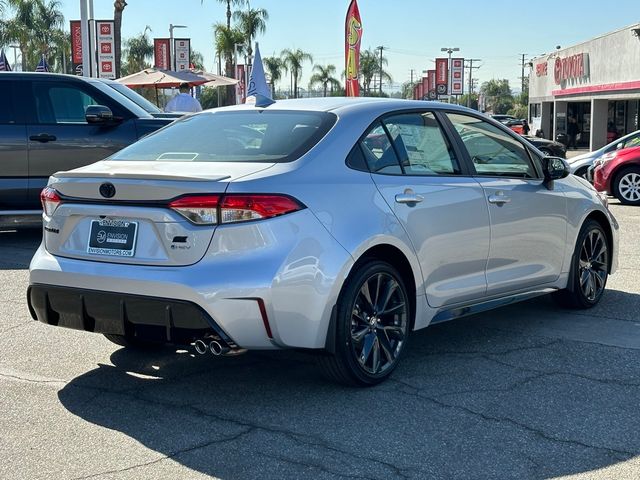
column 152, row 77
column 4, row 63
column 43, row 66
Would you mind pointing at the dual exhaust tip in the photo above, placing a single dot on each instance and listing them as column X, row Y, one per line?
column 213, row 346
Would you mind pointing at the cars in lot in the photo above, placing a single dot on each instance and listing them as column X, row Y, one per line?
column 548, row 147
column 503, row 118
column 337, row 225
column 618, row 173
column 51, row 122
column 580, row 164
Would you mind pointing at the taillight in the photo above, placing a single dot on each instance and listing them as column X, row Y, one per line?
column 50, row 200
column 199, row 209
column 212, row 209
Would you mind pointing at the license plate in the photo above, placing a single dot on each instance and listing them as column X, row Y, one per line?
column 113, row 237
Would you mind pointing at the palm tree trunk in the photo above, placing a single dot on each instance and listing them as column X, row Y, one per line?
column 118, row 8
column 23, row 52
column 229, row 14
column 325, row 90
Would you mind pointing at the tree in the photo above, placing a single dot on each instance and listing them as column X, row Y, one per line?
column 274, row 67
column 138, row 51
column 197, row 59
column 118, row 8
column 48, row 25
column 251, row 23
column 293, row 61
column 239, row 3
column 19, row 28
column 498, row 95
column 325, row 77
column 370, row 68
column 226, row 40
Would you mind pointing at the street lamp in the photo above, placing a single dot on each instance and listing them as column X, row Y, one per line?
column 449, row 50
column 171, row 46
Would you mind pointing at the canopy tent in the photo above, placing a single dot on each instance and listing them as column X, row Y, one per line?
column 152, row 77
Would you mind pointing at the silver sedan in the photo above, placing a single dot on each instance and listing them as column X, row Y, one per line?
column 334, row 225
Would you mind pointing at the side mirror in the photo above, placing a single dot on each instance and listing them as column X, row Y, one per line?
column 98, row 114
column 554, row 168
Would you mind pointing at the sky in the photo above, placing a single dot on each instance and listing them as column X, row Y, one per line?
column 413, row 31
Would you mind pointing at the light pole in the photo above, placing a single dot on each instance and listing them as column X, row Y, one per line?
column 449, row 50
column 171, row 46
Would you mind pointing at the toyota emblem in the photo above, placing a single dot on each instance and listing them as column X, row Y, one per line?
column 107, row 190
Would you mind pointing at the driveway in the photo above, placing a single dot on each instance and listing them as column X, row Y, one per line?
column 528, row 391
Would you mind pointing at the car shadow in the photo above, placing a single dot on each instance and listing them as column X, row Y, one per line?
column 513, row 393
column 18, row 247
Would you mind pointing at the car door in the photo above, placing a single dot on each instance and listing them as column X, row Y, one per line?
column 418, row 172
column 59, row 137
column 14, row 170
column 528, row 218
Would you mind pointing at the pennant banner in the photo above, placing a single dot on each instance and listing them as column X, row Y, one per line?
column 182, row 53
column 105, row 44
column 161, row 54
column 258, row 89
column 442, row 76
column 76, row 46
column 431, row 80
column 353, row 37
column 457, row 76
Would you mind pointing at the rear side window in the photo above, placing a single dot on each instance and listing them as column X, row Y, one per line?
column 251, row 136
column 379, row 152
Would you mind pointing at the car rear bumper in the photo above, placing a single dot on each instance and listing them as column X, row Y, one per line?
column 134, row 316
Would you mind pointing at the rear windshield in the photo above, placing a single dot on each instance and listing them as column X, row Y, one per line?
column 251, row 136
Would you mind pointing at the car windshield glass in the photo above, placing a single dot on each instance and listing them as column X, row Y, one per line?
column 246, row 136
column 135, row 97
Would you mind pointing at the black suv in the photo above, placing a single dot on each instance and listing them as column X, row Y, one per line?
column 52, row 122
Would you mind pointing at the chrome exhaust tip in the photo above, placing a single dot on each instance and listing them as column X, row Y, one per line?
column 217, row 348
column 200, row 347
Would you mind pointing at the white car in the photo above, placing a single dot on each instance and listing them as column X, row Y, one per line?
column 581, row 164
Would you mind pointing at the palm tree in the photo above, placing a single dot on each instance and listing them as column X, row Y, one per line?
column 197, row 59
column 274, row 66
column 19, row 29
column 251, row 23
column 118, row 8
column 139, row 51
column 239, row 3
column 293, row 60
column 325, row 77
column 48, row 25
column 226, row 40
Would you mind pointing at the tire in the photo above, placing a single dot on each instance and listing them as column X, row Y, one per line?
column 369, row 344
column 626, row 186
column 132, row 343
column 589, row 269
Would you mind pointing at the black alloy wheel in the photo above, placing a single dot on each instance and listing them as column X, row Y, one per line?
column 373, row 321
column 590, row 268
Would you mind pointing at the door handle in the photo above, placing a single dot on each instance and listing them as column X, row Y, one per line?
column 43, row 138
column 499, row 199
column 409, row 198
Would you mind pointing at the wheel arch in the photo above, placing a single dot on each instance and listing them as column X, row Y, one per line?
column 602, row 219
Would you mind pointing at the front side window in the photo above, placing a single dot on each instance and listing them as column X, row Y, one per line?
column 421, row 144
column 59, row 103
column 252, row 136
column 492, row 151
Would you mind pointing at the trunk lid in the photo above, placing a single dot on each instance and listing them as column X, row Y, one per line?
column 136, row 217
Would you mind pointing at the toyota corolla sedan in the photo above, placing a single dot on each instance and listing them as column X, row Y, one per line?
column 334, row 225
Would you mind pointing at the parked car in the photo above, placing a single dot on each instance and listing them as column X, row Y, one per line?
column 51, row 122
column 339, row 226
column 618, row 174
column 517, row 125
column 503, row 118
column 580, row 164
column 548, row 147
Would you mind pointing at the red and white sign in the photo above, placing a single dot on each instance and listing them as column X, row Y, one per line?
column 571, row 68
column 161, row 53
column 541, row 69
column 442, row 75
column 431, row 82
column 241, row 87
column 457, row 76
column 105, row 41
column 76, row 45
column 182, row 52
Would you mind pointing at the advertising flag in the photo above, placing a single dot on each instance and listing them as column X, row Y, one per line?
column 457, row 76
column 258, row 90
column 105, row 44
column 353, row 37
column 182, row 52
column 161, row 54
column 76, row 46
column 442, row 76
column 431, row 80
column 4, row 63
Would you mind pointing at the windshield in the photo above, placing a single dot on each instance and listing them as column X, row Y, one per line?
column 135, row 97
column 232, row 136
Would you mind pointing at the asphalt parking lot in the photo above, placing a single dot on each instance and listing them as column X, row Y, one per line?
column 528, row 391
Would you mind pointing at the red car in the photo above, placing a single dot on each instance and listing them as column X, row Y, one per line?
column 618, row 174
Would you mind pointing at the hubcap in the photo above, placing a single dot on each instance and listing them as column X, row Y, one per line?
column 378, row 323
column 629, row 187
column 593, row 264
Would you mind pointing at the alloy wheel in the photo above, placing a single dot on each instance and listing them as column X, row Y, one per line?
column 593, row 264
column 379, row 323
column 629, row 187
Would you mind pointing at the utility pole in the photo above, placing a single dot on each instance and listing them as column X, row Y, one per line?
column 449, row 50
column 411, row 83
column 381, row 48
column 522, row 77
column 471, row 68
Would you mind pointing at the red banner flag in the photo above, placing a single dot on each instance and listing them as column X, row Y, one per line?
column 161, row 53
column 353, row 36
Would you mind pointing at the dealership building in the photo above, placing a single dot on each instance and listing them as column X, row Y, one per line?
column 596, row 82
